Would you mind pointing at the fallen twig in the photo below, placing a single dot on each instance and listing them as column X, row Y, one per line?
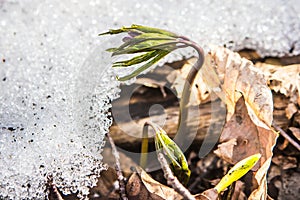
column 172, row 180
column 120, row 176
column 286, row 136
column 53, row 191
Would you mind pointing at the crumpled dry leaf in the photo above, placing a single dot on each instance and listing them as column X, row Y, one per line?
column 231, row 77
column 155, row 189
column 283, row 79
column 225, row 150
column 249, row 111
column 241, row 137
column 210, row 194
column 261, row 179
column 136, row 190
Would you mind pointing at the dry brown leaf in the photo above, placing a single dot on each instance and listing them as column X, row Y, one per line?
column 231, row 77
column 136, row 190
column 225, row 150
column 261, row 178
column 249, row 103
column 210, row 194
column 243, row 138
column 148, row 82
column 156, row 188
column 296, row 132
column 283, row 79
column 250, row 139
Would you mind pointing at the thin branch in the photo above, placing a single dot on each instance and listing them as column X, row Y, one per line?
column 120, row 176
column 53, row 191
column 286, row 136
column 172, row 180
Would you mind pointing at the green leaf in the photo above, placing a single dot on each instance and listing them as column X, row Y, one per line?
column 144, row 39
column 237, row 171
column 155, row 36
column 117, row 31
column 147, row 29
column 153, row 42
column 132, row 42
column 112, row 49
column 136, row 60
column 146, row 46
column 139, row 29
column 179, row 164
column 159, row 56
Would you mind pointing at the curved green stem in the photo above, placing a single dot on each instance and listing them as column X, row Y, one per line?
column 186, row 93
column 144, row 148
column 184, row 101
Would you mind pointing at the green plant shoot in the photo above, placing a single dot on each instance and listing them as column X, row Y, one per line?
column 178, row 164
column 151, row 45
column 237, row 171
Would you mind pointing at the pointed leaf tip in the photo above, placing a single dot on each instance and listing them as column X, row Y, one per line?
column 237, row 171
column 178, row 165
column 111, row 49
column 137, row 59
column 155, row 59
column 105, row 33
column 153, row 42
column 147, row 29
column 138, row 29
column 115, row 31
